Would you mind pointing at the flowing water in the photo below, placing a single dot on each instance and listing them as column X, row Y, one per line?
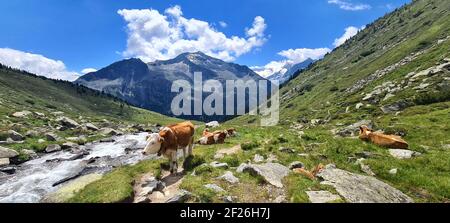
column 36, row 178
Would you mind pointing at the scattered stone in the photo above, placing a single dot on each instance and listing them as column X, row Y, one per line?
column 42, row 115
column 218, row 156
column 352, row 129
column 67, row 122
column 241, row 167
column 321, row 196
column 359, row 105
column 272, row 159
column 388, row 96
column 258, row 158
column 357, row 188
column 286, row 150
column 296, row 165
column 272, row 173
column 4, row 162
column 40, row 141
column 146, row 186
column 69, row 145
column 31, row 133
column 21, row 114
column 9, row 170
column 398, row 106
column 15, row 136
column 7, row 153
column 107, row 140
column 91, row 127
column 69, row 190
column 32, row 154
column 110, row 132
column 403, row 153
column 216, row 164
column 214, row 188
column 52, row 148
column 181, row 197
column 447, row 146
column 365, row 154
column 366, row 169
column 51, row 137
column 229, row 177
column 213, row 124
column 393, row 171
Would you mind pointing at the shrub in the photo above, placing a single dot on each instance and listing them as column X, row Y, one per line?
column 232, row 161
column 203, row 169
column 193, row 161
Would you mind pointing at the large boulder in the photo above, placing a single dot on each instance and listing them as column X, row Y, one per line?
column 229, row 177
column 7, row 153
column 21, row 114
column 52, row 148
column 213, row 124
column 357, row 188
column 67, row 122
column 403, row 153
column 91, row 127
column 15, row 135
column 272, row 173
column 51, row 137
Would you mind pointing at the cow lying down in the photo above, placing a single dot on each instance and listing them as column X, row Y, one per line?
column 389, row 141
column 216, row 137
column 171, row 139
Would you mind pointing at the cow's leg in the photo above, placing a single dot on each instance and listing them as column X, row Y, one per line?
column 191, row 147
column 173, row 162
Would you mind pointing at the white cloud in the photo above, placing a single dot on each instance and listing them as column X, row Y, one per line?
column 292, row 57
column 88, row 70
column 36, row 64
column 349, row 33
column 223, row 24
column 347, row 5
column 155, row 36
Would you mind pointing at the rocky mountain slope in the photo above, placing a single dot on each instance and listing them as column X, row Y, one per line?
column 149, row 85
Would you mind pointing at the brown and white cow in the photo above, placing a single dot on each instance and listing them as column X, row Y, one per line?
column 171, row 139
column 210, row 138
column 389, row 141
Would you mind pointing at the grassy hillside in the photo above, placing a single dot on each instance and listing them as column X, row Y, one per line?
column 394, row 73
column 48, row 100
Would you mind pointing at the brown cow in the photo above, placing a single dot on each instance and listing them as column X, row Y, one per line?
column 171, row 139
column 210, row 138
column 389, row 141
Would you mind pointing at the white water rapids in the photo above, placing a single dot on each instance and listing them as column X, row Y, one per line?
column 36, row 178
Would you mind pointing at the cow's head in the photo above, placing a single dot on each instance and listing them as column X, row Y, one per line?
column 364, row 132
column 154, row 142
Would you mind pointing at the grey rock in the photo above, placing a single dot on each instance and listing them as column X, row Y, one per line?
column 357, row 188
column 273, row 173
column 229, row 177
column 7, row 153
column 213, row 124
column 52, row 148
column 352, row 129
column 393, row 171
column 4, row 162
column 398, row 106
column 258, row 158
column 228, row 199
column 67, row 122
column 216, row 164
column 15, row 135
column 403, row 153
column 366, row 169
column 181, row 197
column 280, row 199
column 21, row 114
column 322, row 196
column 110, row 132
column 91, row 127
column 51, row 137
column 214, row 188
column 286, row 150
column 69, row 145
column 359, row 105
column 9, row 170
column 295, row 165
column 32, row 154
column 40, row 141
column 31, row 133
column 241, row 167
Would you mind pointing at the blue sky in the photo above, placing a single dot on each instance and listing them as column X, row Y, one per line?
column 92, row 34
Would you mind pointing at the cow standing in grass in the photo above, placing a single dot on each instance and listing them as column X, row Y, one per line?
column 171, row 139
